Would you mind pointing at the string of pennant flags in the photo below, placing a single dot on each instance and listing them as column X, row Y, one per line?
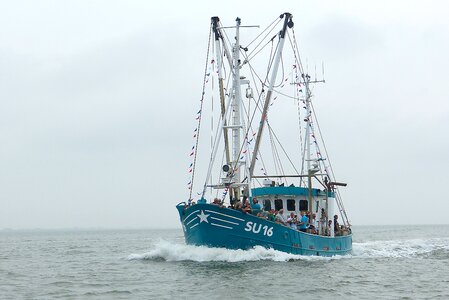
column 196, row 131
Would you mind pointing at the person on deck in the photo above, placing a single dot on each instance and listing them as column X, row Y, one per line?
column 303, row 223
column 322, row 225
column 337, row 230
column 292, row 221
column 280, row 216
column 247, row 208
column 255, row 206
column 238, row 205
column 262, row 215
column 330, row 229
column 313, row 224
column 271, row 215
column 218, row 202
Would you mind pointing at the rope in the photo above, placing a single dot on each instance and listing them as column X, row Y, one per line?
column 301, row 145
column 338, row 198
column 271, row 25
column 283, row 149
column 295, row 47
column 250, row 128
column 249, row 57
column 273, row 150
column 255, row 48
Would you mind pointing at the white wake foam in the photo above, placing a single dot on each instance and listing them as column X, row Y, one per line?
column 399, row 248
column 170, row 251
column 176, row 252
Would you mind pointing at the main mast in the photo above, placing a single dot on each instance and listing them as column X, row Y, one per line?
column 236, row 125
column 217, row 37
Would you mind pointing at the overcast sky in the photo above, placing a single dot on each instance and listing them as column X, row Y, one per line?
column 98, row 102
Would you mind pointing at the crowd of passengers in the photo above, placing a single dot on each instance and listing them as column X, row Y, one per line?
column 306, row 222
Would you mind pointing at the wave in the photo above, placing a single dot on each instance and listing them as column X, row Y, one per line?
column 169, row 251
column 401, row 248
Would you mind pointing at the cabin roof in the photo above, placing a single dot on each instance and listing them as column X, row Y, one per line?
column 288, row 190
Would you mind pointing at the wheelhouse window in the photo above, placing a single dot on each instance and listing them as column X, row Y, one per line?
column 278, row 205
column 303, row 205
column 267, row 204
column 291, row 205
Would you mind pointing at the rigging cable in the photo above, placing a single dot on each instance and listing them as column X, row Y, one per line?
column 301, row 145
column 298, row 61
column 249, row 57
column 283, row 150
column 270, row 65
column 199, row 118
column 271, row 132
column 212, row 105
column 273, row 25
column 251, row 128
column 277, row 158
column 295, row 47
column 254, row 74
column 338, row 198
column 273, row 151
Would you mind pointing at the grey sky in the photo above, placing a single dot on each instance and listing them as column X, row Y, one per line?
column 98, row 100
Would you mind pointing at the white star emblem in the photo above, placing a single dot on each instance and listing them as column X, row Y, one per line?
column 203, row 217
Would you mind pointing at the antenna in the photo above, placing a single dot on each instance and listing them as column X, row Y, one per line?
column 307, row 65
column 316, row 80
column 322, row 70
column 306, row 74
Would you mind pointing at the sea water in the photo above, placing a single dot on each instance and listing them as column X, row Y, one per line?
column 388, row 262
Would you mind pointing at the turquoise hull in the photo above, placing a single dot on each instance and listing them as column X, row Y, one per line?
column 214, row 226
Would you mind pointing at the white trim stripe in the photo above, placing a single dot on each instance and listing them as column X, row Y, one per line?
column 211, row 211
column 224, row 221
column 219, row 225
column 192, row 220
column 195, row 225
column 191, row 214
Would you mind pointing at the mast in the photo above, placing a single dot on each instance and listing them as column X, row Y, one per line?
column 287, row 22
column 310, row 171
column 233, row 107
column 236, row 125
column 217, row 37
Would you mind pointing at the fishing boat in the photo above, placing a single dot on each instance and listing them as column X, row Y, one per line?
column 264, row 177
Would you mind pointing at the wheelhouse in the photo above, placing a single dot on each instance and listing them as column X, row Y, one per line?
column 294, row 199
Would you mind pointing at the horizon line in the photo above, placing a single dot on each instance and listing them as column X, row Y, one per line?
column 100, row 228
